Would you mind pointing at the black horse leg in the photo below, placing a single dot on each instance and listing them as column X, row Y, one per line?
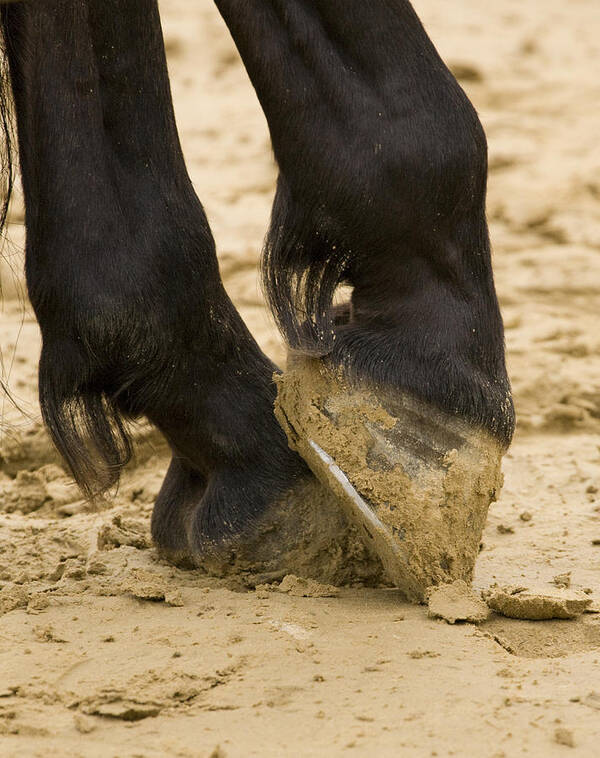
column 382, row 186
column 122, row 274
column 401, row 401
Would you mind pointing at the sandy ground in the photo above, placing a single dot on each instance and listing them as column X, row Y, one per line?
column 87, row 668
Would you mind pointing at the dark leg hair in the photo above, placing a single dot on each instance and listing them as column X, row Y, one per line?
column 6, row 143
column 383, row 166
column 122, row 274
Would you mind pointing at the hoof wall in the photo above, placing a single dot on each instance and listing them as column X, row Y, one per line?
column 415, row 480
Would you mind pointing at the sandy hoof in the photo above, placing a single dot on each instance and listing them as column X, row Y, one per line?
column 416, row 481
column 305, row 533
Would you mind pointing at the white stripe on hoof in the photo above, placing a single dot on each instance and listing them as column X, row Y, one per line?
column 382, row 536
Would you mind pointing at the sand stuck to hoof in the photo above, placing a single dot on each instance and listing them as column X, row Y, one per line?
column 522, row 603
column 306, row 534
column 416, row 481
column 457, row 602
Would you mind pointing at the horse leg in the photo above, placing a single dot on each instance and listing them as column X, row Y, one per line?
column 383, row 167
column 123, row 276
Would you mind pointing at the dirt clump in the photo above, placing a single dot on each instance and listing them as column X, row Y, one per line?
column 26, row 449
column 149, row 585
column 38, row 601
column 564, row 736
column 116, row 707
column 83, row 724
column 12, row 596
column 456, row 602
column 562, row 580
column 47, row 490
column 121, row 531
column 523, row 603
column 299, row 587
column 145, row 584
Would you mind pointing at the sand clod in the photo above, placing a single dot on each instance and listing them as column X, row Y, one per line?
column 562, row 580
column 457, row 602
column 121, row 708
column 145, row 584
column 174, row 597
column 120, row 531
column 524, row 603
column 564, row 736
column 12, row 596
column 300, row 587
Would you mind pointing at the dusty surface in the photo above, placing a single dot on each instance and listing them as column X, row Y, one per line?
column 89, row 669
column 417, row 482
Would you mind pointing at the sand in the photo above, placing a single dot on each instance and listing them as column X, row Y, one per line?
column 89, row 668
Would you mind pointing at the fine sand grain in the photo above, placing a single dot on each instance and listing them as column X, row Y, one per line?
column 106, row 651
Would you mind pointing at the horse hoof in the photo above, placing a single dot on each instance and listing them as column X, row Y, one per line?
column 301, row 532
column 304, row 533
column 415, row 480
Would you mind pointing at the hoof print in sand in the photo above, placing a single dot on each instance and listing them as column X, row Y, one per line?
column 416, row 481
